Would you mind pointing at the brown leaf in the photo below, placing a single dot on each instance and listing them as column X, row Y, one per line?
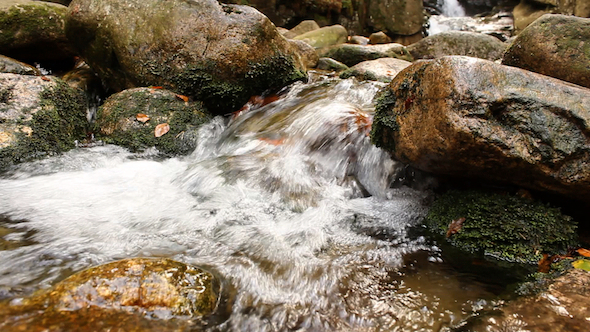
column 161, row 129
column 455, row 226
column 143, row 118
column 545, row 263
column 182, row 97
column 45, row 78
column 584, row 252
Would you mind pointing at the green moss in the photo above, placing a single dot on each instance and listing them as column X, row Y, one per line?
column 502, row 226
column 55, row 128
column 19, row 24
column 384, row 121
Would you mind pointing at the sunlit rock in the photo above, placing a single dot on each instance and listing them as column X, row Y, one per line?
column 220, row 54
column 121, row 294
column 324, row 37
column 301, row 28
column 38, row 116
column 33, row 31
column 383, row 70
column 130, row 118
column 9, row 65
column 331, row 65
column 458, row 43
column 351, row 54
column 474, row 118
column 554, row 45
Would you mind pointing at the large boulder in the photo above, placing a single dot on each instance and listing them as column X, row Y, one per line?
column 400, row 17
column 38, row 116
column 141, row 118
column 458, row 43
column 382, row 70
column 554, row 45
column 120, row 296
column 351, row 54
column 474, row 118
column 220, row 54
column 33, row 31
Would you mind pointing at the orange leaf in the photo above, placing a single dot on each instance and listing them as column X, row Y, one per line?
column 142, row 117
column 161, row 129
column 156, row 87
column 45, row 78
column 545, row 263
column 584, row 252
column 181, row 97
column 455, row 226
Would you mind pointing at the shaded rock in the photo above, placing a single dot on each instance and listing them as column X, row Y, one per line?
column 350, row 54
column 474, row 118
column 301, row 28
column 324, row 37
column 38, row 116
column 554, row 45
column 331, row 64
column 33, row 31
column 379, row 38
column 383, row 70
column 82, row 77
column 120, row 294
column 458, row 43
column 561, row 307
column 307, row 53
column 526, row 13
column 9, row 65
column 220, row 54
column 359, row 40
column 400, row 17
column 121, row 120
column 500, row 225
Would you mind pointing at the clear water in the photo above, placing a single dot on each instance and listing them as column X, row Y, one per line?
column 289, row 202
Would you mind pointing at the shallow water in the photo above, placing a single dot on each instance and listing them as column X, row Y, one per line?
column 289, row 202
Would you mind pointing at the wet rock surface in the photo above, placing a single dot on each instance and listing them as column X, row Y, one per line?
column 351, row 54
column 9, row 65
column 554, row 45
column 474, row 118
column 129, row 295
column 458, row 43
column 131, row 118
column 383, row 70
column 220, row 54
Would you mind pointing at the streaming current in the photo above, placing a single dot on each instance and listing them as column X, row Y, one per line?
column 290, row 203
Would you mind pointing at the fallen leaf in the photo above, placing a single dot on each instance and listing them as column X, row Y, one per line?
column 582, row 264
column 161, row 129
column 584, row 252
column 45, row 78
column 156, row 87
column 143, row 118
column 455, row 226
column 182, row 97
column 275, row 142
column 545, row 263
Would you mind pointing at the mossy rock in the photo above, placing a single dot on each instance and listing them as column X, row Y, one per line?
column 33, row 31
column 39, row 116
column 118, row 122
column 502, row 226
column 138, row 294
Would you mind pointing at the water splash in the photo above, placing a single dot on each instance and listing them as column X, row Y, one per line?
column 452, row 8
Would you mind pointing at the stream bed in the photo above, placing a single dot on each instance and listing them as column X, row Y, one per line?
column 289, row 203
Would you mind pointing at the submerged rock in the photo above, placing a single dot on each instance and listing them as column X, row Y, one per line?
column 121, row 295
column 33, row 31
column 351, row 54
column 502, row 226
column 324, row 37
column 9, row 65
column 130, row 119
column 383, row 70
column 554, row 45
column 220, row 54
column 474, row 118
column 458, row 43
column 38, row 116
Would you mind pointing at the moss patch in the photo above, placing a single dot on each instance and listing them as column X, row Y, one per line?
column 384, row 123
column 502, row 226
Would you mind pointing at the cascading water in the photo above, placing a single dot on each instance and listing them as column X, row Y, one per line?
column 451, row 8
column 290, row 203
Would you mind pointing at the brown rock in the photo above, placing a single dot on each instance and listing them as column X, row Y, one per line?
column 379, row 38
column 458, row 43
column 474, row 118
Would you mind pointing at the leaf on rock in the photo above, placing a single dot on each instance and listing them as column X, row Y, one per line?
column 161, row 129
column 584, row 252
column 182, row 97
column 455, row 226
column 545, row 263
column 582, row 264
column 143, row 118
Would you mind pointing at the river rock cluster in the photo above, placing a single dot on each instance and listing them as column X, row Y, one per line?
column 458, row 104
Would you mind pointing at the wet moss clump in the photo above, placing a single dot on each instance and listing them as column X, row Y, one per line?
column 502, row 226
column 384, row 123
column 53, row 129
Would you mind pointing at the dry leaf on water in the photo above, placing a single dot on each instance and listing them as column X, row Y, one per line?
column 143, row 118
column 455, row 226
column 161, row 129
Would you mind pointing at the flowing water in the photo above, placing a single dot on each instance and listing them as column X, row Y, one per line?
column 290, row 203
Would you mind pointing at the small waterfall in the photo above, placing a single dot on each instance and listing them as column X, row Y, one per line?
column 452, row 8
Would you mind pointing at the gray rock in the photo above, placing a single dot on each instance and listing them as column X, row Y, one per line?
column 383, row 70
column 350, row 54
column 9, row 65
column 331, row 64
column 301, row 28
column 458, row 43
column 324, row 37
